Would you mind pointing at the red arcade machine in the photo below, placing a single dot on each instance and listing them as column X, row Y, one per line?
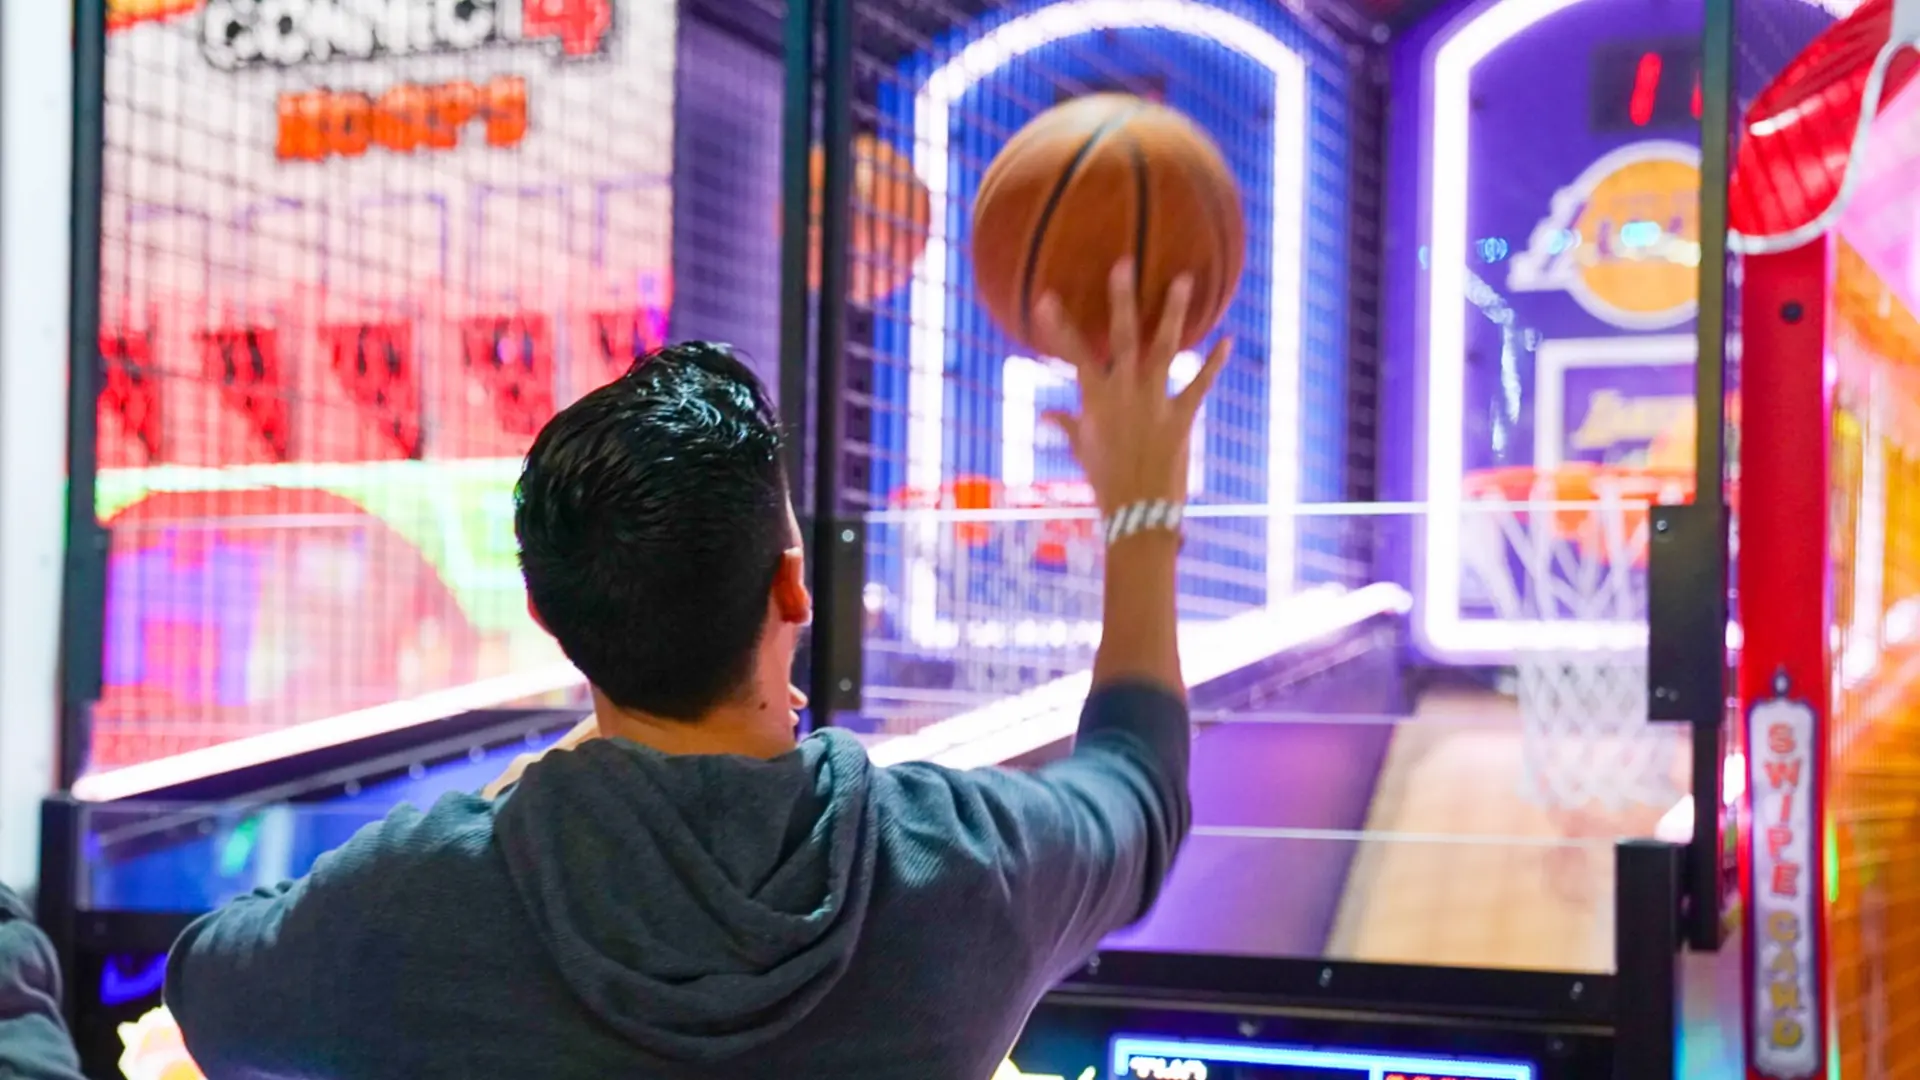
column 1824, row 208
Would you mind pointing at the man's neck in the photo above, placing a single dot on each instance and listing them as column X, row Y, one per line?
column 752, row 729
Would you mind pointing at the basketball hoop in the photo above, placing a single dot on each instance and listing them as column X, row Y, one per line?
column 1568, row 544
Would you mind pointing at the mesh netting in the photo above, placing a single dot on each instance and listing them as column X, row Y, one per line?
column 353, row 257
column 1572, row 568
column 937, row 394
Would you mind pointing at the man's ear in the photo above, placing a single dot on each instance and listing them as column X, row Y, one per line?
column 790, row 597
column 534, row 614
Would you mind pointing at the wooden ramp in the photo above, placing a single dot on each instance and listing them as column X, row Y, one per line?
column 1478, row 876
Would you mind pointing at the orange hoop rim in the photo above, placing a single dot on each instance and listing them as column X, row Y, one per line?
column 1579, row 481
column 983, row 493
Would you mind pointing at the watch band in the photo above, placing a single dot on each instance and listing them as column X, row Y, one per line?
column 1147, row 515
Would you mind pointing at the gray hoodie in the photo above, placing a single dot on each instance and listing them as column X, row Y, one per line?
column 33, row 1038
column 624, row 913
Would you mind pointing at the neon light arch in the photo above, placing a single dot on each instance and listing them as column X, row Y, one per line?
column 927, row 343
column 1457, row 53
column 1442, row 629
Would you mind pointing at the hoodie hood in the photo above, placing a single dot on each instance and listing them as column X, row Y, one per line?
column 700, row 905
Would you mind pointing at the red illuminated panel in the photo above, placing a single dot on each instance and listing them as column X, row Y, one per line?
column 375, row 365
column 512, row 357
column 620, row 337
column 1799, row 130
column 579, row 25
column 130, row 417
column 244, row 363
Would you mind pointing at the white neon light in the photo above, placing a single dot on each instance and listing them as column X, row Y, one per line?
column 1439, row 623
column 136, row 780
column 927, row 342
column 1022, row 378
column 1048, row 713
column 1438, row 619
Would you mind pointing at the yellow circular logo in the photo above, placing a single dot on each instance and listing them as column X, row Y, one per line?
column 1623, row 239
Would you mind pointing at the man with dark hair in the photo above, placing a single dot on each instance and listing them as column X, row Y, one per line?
column 33, row 1038
column 656, row 537
column 687, row 890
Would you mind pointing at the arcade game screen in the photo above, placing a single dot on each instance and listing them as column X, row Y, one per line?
column 1144, row 1057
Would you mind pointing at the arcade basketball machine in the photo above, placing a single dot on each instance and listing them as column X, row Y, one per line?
column 1428, row 593
column 1826, row 201
column 1453, row 614
column 334, row 264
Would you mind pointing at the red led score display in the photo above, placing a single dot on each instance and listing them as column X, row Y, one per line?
column 1646, row 85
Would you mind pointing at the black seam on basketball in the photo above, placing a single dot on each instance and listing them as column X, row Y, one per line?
column 1031, row 265
column 1139, row 157
column 1217, row 218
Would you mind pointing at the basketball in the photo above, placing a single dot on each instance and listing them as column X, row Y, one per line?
column 1094, row 180
column 889, row 220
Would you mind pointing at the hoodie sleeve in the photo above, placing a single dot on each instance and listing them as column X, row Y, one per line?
column 261, row 986
column 1082, row 845
column 34, row 1044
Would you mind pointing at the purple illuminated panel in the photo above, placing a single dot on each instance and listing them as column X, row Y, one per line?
column 1543, row 263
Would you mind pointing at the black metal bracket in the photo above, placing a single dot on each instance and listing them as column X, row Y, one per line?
column 835, row 651
column 832, row 535
column 1686, row 614
column 1646, row 951
column 1687, row 681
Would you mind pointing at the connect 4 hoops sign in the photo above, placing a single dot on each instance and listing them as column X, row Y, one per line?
column 240, row 34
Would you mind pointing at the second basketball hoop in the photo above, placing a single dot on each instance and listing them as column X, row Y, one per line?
column 1568, row 545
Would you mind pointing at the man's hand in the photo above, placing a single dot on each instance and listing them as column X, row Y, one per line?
column 1130, row 437
column 582, row 732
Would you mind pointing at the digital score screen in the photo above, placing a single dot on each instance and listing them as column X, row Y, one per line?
column 1646, row 85
column 1179, row 1059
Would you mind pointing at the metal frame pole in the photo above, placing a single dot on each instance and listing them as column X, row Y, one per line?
column 830, row 342
column 84, row 576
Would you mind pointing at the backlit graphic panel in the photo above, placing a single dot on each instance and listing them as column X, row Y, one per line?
column 353, row 257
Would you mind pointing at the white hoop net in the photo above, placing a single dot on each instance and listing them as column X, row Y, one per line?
column 1582, row 691
column 1014, row 582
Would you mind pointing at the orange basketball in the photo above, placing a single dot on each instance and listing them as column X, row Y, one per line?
column 1091, row 181
column 889, row 228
